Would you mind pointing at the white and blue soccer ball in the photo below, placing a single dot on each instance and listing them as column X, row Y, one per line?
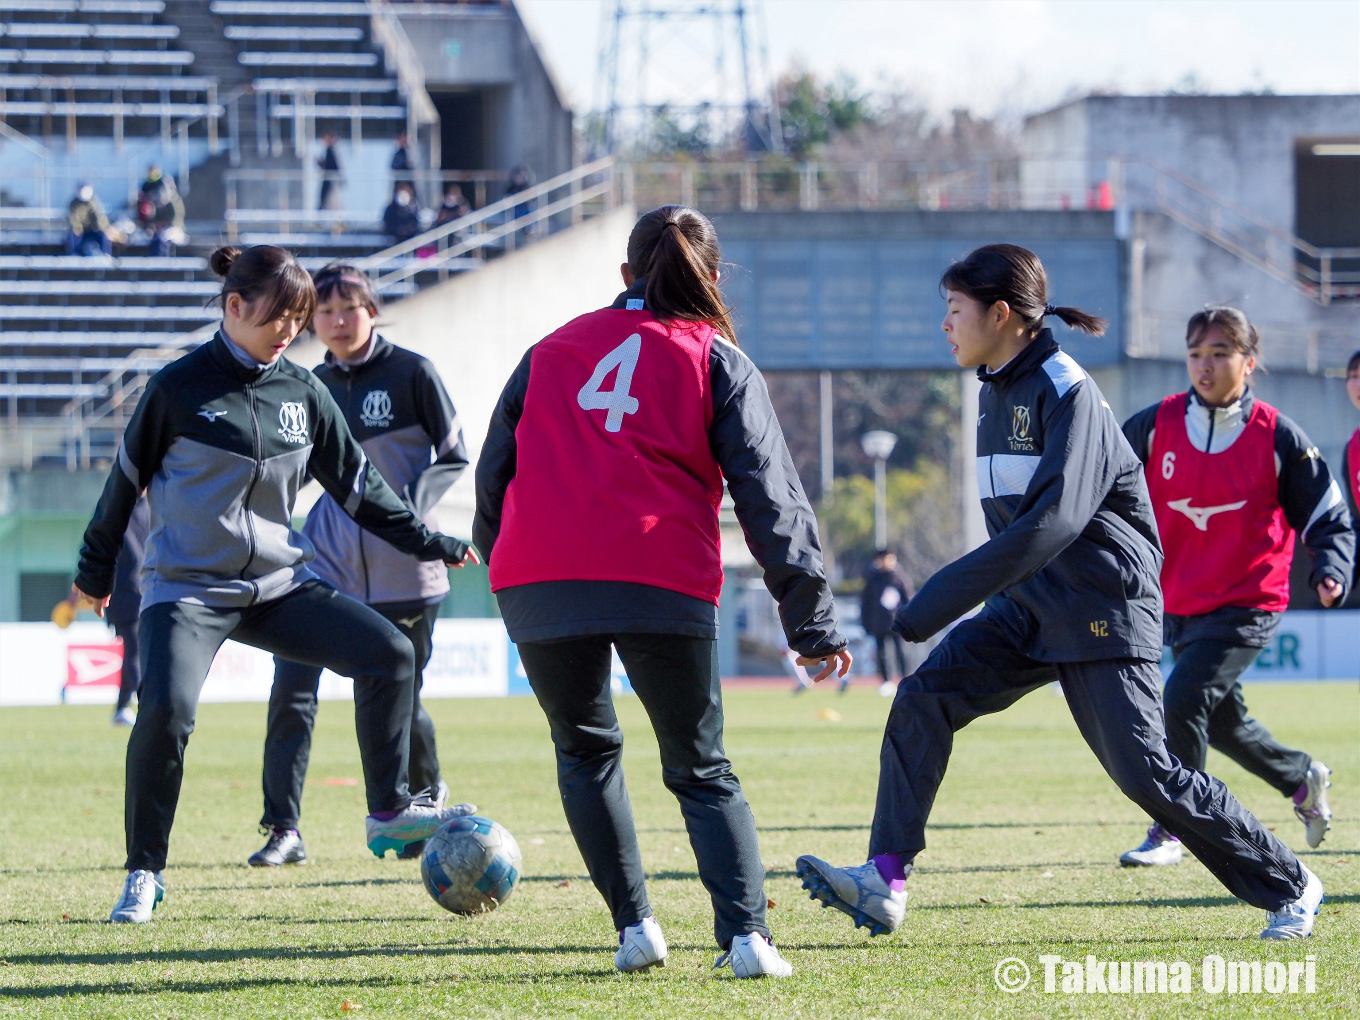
column 471, row 865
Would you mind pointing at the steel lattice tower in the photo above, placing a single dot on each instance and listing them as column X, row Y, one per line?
column 698, row 69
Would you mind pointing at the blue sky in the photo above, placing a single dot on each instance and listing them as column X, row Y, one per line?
column 1018, row 56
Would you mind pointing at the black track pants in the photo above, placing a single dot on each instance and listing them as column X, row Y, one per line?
column 977, row 671
column 892, row 656
column 676, row 679
column 130, row 678
column 1205, row 708
column 315, row 624
column 292, row 711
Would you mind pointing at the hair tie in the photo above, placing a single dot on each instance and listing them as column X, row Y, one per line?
column 1050, row 310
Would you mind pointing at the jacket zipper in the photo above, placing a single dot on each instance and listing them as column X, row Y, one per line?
column 250, row 490
column 349, row 410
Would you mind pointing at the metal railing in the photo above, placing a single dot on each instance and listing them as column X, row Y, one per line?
column 92, row 423
column 1019, row 183
column 402, row 61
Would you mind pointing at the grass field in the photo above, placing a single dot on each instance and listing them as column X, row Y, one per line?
column 1021, row 863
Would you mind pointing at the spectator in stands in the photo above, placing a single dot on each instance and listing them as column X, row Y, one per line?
column 886, row 589
column 160, row 212
column 403, row 165
column 330, row 172
column 91, row 233
column 401, row 218
column 522, row 179
column 455, row 205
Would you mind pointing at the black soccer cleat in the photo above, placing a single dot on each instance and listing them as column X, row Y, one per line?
column 283, row 847
column 412, row 851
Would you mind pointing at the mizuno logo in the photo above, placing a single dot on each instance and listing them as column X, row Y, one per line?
column 211, row 415
column 1201, row 514
column 410, row 621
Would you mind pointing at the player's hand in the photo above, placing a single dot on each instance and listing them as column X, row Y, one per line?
column 1329, row 591
column 839, row 663
column 78, row 599
column 469, row 557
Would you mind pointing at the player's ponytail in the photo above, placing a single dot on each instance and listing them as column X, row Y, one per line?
column 675, row 249
column 1009, row 273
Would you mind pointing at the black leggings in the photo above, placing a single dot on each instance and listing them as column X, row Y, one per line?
column 1205, row 708
column 314, row 624
column 892, row 656
column 676, row 679
column 977, row 670
column 130, row 678
column 292, row 711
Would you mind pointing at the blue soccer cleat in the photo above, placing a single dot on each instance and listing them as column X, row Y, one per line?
column 417, row 821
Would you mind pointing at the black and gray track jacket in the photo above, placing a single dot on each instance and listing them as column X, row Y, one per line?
column 398, row 409
column 222, row 450
column 1073, row 565
column 1310, row 498
column 775, row 516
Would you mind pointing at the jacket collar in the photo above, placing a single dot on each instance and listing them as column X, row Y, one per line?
column 1235, row 413
column 637, row 292
column 378, row 349
column 1039, row 350
column 217, row 349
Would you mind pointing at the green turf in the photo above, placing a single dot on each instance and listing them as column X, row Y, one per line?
column 1021, row 862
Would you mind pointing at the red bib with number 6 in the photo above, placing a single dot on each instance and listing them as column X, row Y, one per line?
column 1225, row 537
column 614, row 477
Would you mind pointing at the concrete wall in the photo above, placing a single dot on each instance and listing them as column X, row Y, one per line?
column 488, row 48
column 476, row 327
column 1241, row 146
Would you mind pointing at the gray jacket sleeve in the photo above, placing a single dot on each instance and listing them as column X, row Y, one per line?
column 775, row 516
column 437, row 416
column 1313, row 505
column 1076, row 471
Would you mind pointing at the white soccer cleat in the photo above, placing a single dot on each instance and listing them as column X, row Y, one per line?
column 887, row 689
column 641, row 946
column 142, row 891
column 124, row 717
column 753, row 955
column 1295, row 920
column 1158, row 850
column 1314, row 811
column 860, row 892
column 415, row 822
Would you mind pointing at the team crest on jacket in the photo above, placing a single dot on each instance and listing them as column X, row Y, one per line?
column 1020, row 437
column 293, row 422
column 377, row 410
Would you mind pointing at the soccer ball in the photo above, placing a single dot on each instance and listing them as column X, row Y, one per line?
column 471, row 865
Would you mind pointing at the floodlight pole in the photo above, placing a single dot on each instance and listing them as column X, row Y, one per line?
column 879, row 445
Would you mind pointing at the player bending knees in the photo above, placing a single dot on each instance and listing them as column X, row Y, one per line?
column 1069, row 578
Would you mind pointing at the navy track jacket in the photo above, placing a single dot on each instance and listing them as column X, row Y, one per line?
column 398, row 409
column 1072, row 568
column 221, row 450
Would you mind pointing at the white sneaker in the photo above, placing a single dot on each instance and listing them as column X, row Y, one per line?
column 142, row 891
column 860, row 892
column 753, row 955
column 641, row 946
column 124, row 717
column 1314, row 811
column 418, row 821
column 1159, row 849
column 1295, row 920
column 887, row 689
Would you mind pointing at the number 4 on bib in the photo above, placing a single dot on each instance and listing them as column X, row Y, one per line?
column 617, row 401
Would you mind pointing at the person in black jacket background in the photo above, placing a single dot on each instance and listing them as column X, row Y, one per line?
column 124, row 608
column 601, row 529
column 886, row 590
column 1069, row 586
